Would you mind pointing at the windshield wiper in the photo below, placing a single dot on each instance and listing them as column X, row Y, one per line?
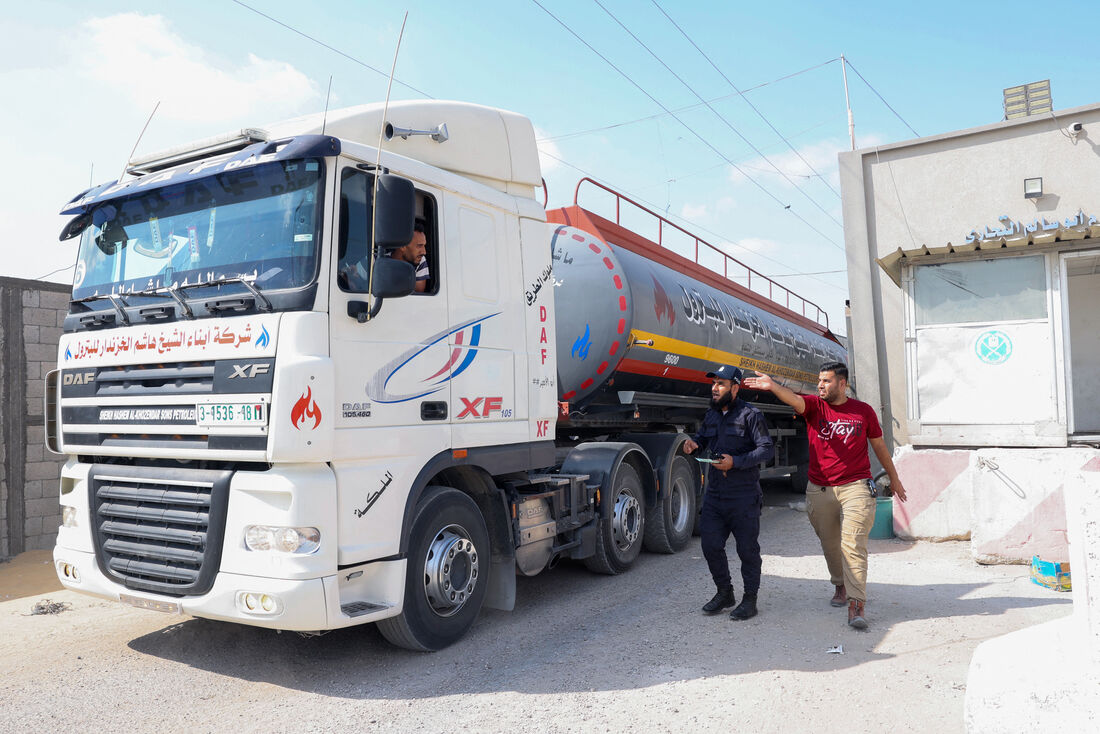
column 116, row 301
column 265, row 304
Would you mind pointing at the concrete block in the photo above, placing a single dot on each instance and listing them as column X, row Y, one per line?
column 43, row 470
column 31, row 334
column 31, row 299
column 45, row 541
column 40, row 316
column 53, row 299
column 1018, row 503
column 32, row 526
column 1036, row 679
column 50, row 335
column 41, row 352
column 1083, row 521
column 36, row 389
column 938, row 488
column 43, row 508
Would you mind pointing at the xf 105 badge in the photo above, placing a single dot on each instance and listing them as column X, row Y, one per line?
column 484, row 407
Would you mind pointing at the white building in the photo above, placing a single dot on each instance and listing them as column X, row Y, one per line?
column 974, row 277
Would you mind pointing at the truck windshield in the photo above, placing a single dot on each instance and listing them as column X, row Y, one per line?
column 261, row 222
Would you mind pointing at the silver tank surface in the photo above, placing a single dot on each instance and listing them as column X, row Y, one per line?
column 626, row 322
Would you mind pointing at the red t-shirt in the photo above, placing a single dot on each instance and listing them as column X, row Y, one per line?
column 838, row 440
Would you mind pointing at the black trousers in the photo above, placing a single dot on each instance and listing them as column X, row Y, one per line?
column 738, row 515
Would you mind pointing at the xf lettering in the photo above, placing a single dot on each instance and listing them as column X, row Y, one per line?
column 479, row 407
column 542, row 428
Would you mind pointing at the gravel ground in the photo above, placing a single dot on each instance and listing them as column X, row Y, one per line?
column 581, row 652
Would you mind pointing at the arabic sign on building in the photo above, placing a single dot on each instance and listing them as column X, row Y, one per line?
column 1010, row 228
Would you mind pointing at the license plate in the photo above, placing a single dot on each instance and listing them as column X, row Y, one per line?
column 231, row 414
column 168, row 607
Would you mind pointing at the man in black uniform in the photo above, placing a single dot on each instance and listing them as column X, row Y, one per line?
column 735, row 437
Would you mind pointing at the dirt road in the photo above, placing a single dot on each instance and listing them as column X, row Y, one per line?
column 580, row 653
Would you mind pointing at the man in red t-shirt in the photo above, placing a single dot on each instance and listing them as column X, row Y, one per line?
column 838, row 497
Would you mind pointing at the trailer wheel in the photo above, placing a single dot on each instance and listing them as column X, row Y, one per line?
column 447, row 575
column 668, row 525
column 621, row 524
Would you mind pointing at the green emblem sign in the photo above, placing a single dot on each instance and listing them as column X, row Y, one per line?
column 993, row 347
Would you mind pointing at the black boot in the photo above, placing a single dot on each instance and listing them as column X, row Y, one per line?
column 722, row 600
column 746, row 609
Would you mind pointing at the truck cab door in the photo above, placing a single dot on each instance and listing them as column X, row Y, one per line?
column 389, row 369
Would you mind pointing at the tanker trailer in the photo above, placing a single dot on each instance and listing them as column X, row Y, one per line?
column 639, row 326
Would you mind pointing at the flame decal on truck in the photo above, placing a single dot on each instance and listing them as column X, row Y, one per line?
column 305, row 408
column 467, row 339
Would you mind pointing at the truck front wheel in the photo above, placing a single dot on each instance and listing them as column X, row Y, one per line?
column 447, row 574
column 668, row 525
column 621, row 525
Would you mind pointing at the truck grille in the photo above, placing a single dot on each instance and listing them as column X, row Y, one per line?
column 159, row 529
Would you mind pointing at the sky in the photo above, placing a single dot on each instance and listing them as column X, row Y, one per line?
column 724, row 117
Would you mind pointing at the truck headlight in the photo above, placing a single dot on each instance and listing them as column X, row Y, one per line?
column 68, row 516
column 282, row 540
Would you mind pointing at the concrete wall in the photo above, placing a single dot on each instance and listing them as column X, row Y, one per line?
column 31, row 315
column 933, row 191
column 1010, row 503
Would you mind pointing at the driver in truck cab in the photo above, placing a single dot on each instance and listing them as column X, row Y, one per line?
column 415, row 253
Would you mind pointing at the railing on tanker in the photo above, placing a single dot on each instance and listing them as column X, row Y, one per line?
column 783, row 297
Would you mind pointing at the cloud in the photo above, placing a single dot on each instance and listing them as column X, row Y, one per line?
column 140, row 59
column 549, row 153
column 692, row 212
column 802, row 167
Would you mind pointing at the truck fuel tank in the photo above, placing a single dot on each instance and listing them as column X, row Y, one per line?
column 631, row 318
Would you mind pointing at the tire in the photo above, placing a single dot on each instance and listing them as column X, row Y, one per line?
column 668, row 526
column 447, row 575
column 621, row 527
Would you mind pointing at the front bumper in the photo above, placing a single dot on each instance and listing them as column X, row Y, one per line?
column 366, row 593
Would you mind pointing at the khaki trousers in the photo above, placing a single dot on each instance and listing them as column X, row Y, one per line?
column 842, row 518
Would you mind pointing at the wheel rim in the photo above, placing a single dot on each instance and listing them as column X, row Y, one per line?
column 450, row 570
column 625, row 520
column 679, row 506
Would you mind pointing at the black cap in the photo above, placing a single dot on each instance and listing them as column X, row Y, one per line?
column 726, row 372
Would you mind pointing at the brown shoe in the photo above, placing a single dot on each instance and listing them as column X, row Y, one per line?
column 855, row 615
column 840, row 598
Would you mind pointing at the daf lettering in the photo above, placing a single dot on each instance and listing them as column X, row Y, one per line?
column 239, row 370
column 78, row 378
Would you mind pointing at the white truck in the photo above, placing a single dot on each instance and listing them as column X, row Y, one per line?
column 254, row 438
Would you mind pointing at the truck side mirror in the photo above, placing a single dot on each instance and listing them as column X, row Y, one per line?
column 394, row 212
column 75, row 226
column 392, row 278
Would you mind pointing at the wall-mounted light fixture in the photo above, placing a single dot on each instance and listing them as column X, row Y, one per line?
column 1033, row 188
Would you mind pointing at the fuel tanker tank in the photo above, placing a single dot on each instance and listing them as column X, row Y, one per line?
column 634, row 316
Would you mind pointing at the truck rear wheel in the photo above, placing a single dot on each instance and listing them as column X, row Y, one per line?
column 668, row 525
column 447, row 575
column 621, row 524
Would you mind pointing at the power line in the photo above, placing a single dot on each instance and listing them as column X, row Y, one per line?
column 717, row 113
column 881, row 98
column 747, row 101
column 786, row 207
column 689, row 107
column 319, row 42
column 43, row 277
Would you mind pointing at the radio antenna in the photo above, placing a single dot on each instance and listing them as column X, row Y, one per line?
column 136, row 142
column 328, row 95
column 378, row 170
